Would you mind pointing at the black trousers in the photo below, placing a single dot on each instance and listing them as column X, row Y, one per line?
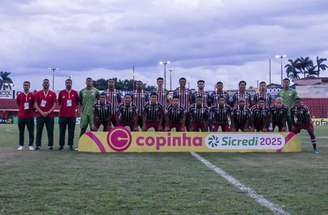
column 69, row 123
column 40, row 123
column 29, row 123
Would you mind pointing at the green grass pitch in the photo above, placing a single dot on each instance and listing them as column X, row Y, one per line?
column 164, row 183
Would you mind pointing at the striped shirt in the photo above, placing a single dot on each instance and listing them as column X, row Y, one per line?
column 127, row 113
column 162, row 97
column 238, row 96
column 140, row 100
column 279, row 115
column 114, row 98
column 260, row 115
column 153, row 112
column 300, row 115
column 214, row 100
column 175, row 114
column 266, row 96
column 102, row 112
column 184, row 97
column 198, row 114
column 241, row 115
column 205, row 97
column 220, row 114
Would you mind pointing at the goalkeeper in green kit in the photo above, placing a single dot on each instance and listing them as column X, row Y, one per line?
column 288, row 97
column 88, row 98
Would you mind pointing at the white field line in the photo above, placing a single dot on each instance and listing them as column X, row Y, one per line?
column 276, row 209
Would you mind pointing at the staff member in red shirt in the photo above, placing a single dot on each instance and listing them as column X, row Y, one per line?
column 68, row 101
column 25, row 102
column 45, row 101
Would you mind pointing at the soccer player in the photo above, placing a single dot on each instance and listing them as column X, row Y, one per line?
column 114, row 98
column 301, row 119
column 214, row 99
column 184, row 95
column 175, row 116
column 68, row 101
column 261, row 117
column 102, row 111
column 153, row 114
column 220, row 116
column 201, row 92
column 88, row 98
column 161, row 92
column 279, row 115
column 127, row 114
column 242, row 95
column 288, row 97
column 25, row 102
column 241, row 116
column 199, row 115
column 140, row 98
column 263, row 94
column 45, row 101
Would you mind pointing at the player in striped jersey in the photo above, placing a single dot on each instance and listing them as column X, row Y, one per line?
column 301, row 119
column 242, row 95
column 153, row 114
column 199, row 115
column 140, row 99
column 220, row 116
column 279, row 115
column 214, row 98
column 263, row 94
column 261, row 116
column 175, row 116
column 102, row 114
column 161, row 92
column 127, row 114
column 114, row 98
column 240, row 117
column 184, row 95
column 201, row 92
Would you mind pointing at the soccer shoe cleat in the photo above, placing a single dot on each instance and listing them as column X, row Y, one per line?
column 31, row 148
column 20, row 148
column 316, row 151
column 61, row 148
column 37, row 148
column 71, row 148
column 50, row 148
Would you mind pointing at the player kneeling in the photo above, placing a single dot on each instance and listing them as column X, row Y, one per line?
column 261, row 117
column 240, row 117
column 220, row 115
column 127, row 114
column 301, row 119
column 153, row 114
column 199, row 115
column 279, row 115
column 102, row 114
column 175, row 116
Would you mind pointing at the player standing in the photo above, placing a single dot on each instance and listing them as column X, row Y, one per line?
column 263, row 94
column 113, row 97
column 199, row 116
column 88, row 98
column 220, row 116
column 241, row 116
column 161, row 92
column 102, row 114
column 242, row 95
column 301, row 119
column 219, row 92
column 261, row 117
column 153, row 114
column 140, row 99
column 127, row 114
column 279, row 115
column 175, row 116
column 184, row 95
column 25, row 101
column 202, row 93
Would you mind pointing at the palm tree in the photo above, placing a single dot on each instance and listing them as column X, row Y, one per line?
column 313, row 72
column 320, row 65
column 305, row 64
column 292, row 69
column 6, row 81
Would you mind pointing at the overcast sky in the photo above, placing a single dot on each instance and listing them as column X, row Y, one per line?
column 226, row 40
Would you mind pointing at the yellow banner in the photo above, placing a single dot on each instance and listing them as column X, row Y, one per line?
column 320, row 121
column 122, row 140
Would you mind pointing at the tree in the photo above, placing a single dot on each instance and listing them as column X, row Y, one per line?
column 5, row 80
column 292, row 69
column 305, row 64
column 100, row 84
column 320, row 65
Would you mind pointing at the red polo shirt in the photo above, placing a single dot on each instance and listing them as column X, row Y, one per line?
column 45, row 101
column 25, row 104
column 68, row 101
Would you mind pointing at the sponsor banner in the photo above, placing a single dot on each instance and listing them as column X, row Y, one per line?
column 7, row 94
column 122, row 140
column 320, row 121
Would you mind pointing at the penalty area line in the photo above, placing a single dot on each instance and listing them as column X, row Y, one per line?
column 276, row 209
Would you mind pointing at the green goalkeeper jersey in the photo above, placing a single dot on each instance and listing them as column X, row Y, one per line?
column 88, row 97
column 288, row 97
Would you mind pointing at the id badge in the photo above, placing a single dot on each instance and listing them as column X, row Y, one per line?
column 43, row 103
column 26, row 105
column 69, row 103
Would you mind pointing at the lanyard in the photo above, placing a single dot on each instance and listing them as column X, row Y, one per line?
column 45, row 94
column 68, row 93
column 26, row 96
